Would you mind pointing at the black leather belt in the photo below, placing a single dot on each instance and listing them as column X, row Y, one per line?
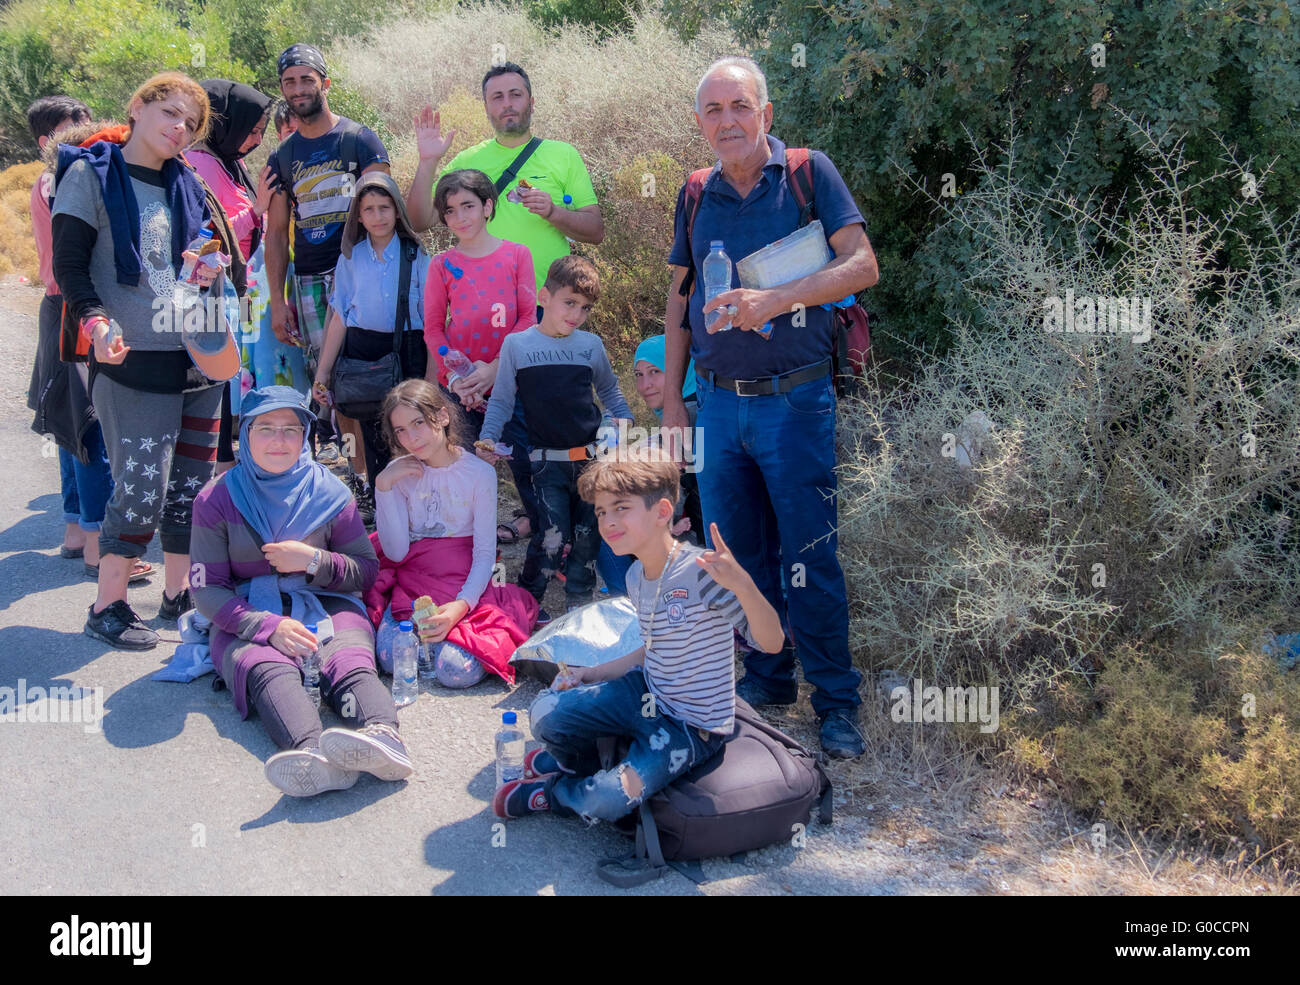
column 767, row 385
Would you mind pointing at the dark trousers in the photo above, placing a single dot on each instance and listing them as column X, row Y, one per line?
column 361, row 343
column 276, row 691
column 566, row 518
column 514, row 434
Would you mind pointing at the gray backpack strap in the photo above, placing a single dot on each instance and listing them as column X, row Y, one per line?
column 644, row 865
column 348, row 148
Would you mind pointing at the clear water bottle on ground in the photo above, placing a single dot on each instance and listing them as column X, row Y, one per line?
column 717, row 280
column 405, row 686
column 457, row 363
column 311, row 673
column 510, row 750
column 426, row 661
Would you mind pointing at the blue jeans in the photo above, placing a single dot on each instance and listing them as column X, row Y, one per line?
column 86, row 488
column 663, row 749
column 613, row 568
column 768, row 481
column 566, row 518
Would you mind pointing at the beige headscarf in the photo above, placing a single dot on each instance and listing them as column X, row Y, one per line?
column 354, row 232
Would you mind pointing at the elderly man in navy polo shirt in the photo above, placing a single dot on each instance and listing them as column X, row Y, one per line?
column 767, row 406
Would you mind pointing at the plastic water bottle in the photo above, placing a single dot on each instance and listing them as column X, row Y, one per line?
column 426, row 661
column 114, row 335
column 510, row 750
column 457, row 363
column 717, row 279
column 187, row 292
column 607, row 436
column 311, row 672
column 405, row 686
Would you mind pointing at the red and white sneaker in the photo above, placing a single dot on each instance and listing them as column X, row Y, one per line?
column 539, row 764
column 519, row 798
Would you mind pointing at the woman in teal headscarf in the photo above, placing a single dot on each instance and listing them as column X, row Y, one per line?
column 648, row 367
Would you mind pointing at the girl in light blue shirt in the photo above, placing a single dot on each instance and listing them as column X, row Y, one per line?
column 363, row 307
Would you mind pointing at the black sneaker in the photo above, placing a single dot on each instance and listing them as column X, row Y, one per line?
column 120, row 628
column 364, row 493
column 840, row 736
column 171, row 609
column 756, row 693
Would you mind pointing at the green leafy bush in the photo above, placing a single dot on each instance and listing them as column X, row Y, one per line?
column 904, row 94
column 103, row 49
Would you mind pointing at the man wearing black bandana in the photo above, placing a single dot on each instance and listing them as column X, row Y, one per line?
column 311, row 173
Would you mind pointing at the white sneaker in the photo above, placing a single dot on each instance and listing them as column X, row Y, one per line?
column 376, row 749
column 306, row 772
column 328, row 454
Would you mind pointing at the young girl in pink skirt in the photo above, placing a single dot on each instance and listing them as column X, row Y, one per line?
column 435, row 517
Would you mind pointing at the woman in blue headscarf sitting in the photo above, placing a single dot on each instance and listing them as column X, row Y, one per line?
column 281, row 558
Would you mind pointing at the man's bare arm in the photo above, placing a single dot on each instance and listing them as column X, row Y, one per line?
column 584, row 225
column 419, row 197
column 677, row 355
column 277, row 261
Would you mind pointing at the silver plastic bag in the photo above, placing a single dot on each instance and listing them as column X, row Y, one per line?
column 586, row 637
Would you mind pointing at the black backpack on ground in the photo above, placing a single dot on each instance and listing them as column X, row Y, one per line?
column 758, row 791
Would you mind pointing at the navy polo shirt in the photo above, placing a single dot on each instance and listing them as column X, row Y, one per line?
column 768, row 213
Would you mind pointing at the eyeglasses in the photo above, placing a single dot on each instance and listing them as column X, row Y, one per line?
column 265, row 432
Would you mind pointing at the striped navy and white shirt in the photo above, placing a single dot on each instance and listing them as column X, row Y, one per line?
column 691, row 666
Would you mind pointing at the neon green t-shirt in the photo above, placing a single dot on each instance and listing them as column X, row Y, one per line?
column 556, row 168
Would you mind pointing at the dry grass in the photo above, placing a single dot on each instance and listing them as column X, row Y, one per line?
column 17, row 249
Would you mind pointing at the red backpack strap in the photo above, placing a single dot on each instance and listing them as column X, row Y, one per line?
column 694, row 192
column 798, row 162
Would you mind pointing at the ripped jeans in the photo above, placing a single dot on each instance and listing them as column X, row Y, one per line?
column 566, row 519
column 663, row 748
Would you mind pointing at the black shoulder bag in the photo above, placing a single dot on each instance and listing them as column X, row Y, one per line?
column 360, row 386
column 508, row 175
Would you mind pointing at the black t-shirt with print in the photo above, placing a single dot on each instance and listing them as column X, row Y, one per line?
column 322, row 192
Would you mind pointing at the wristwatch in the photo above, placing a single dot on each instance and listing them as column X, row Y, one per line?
column 314, row 563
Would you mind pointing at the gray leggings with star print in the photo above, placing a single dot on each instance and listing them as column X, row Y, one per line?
column 161, row 447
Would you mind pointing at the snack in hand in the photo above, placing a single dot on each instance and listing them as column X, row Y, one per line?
column 563, row 679
column 424, row 608
column 495, row 447
column 514, row 196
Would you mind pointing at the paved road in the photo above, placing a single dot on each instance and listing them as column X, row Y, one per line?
column 168, row 795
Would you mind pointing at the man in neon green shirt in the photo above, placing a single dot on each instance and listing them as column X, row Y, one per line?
column 560, row 205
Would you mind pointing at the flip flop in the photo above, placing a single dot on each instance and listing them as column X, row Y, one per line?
column 70, row 552
column 141, row 570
